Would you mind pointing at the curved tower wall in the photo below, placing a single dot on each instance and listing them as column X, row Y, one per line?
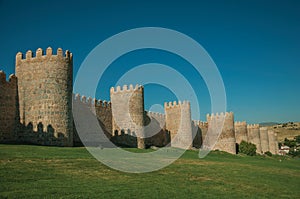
column 179, row 123
column 128, row 114
column 8, row 108
column 240, row 129
column 264, row 139
column 253, row 136
column 273, row 145
column 226, row 140
column 276, row 144
column 45, row 93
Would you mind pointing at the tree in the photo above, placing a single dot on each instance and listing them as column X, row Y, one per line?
column 247, row 148
column 297, row 138
column 290, row 143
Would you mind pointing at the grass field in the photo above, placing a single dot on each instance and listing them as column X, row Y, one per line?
column 54, row 172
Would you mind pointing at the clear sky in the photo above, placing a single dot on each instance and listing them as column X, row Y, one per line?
column 255, row 44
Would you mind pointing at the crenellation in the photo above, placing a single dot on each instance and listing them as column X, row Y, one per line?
column 156, row 114
column 39, row 53
column 59, row 52
column 37, row 105
column 12, row 79
column 19, row 57
column 83, row 99
column 176, row 104
column 2, row 77
column 77, row 97
column 126, row 89
column 41, row 57
column 89, row 101
column 28, row 54
column 49, row 51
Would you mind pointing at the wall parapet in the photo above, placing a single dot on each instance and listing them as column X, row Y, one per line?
column 125, row 88
column 91, row 101
column 155, row 114
column 199, row 123
column 240, row 123
column 175, row 104
column 11, row 80
column 252, row 126
column 39, row 54
column 218, row 115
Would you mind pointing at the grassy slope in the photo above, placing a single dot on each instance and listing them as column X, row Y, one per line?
column 36, row 171
column 286, row 132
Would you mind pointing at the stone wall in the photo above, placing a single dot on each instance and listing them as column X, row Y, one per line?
column 45, row 96
column 240, row 129
column 226, row 140
column 93, row 118
column 254, row 136
column 36, row 108
column 273, row 145
column 155, row 130
column 128, row 115
column 8, row 108
column 179, row 123
column 197, row 133
column 264, row 139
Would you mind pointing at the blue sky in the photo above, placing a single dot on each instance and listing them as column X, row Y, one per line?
column 255, row 45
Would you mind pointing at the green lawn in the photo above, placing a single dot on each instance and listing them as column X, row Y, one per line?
column 57, row 172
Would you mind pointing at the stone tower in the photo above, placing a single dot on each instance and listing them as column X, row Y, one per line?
column 179, row 123
column 253, row 136
column 273, row 145
column 226, row 141
column 45, row 93
column 264, row 139
column 128, row 112
column 240, row 129
column 8, row 108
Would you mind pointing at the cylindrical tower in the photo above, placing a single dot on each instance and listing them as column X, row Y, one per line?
column 272, row 142
column 45, row 93
column 240, row 129
column 179, row 123
column 276, row 144
column 264, row 139
column 128, row 112
column 253, row 136
column 204, row 128
column 226, row 140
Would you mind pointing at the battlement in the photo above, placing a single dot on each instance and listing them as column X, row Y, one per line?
column 125, row 88
column 156, row 115
column 238, row 123
column 11, row 80
column 39, row 54
column 252, row 126
column 263, row 128
column 218, row 115
column 199, row 123
column 175, row 104
column 89, row 101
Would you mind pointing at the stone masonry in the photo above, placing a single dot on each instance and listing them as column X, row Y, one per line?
column 36, row 108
